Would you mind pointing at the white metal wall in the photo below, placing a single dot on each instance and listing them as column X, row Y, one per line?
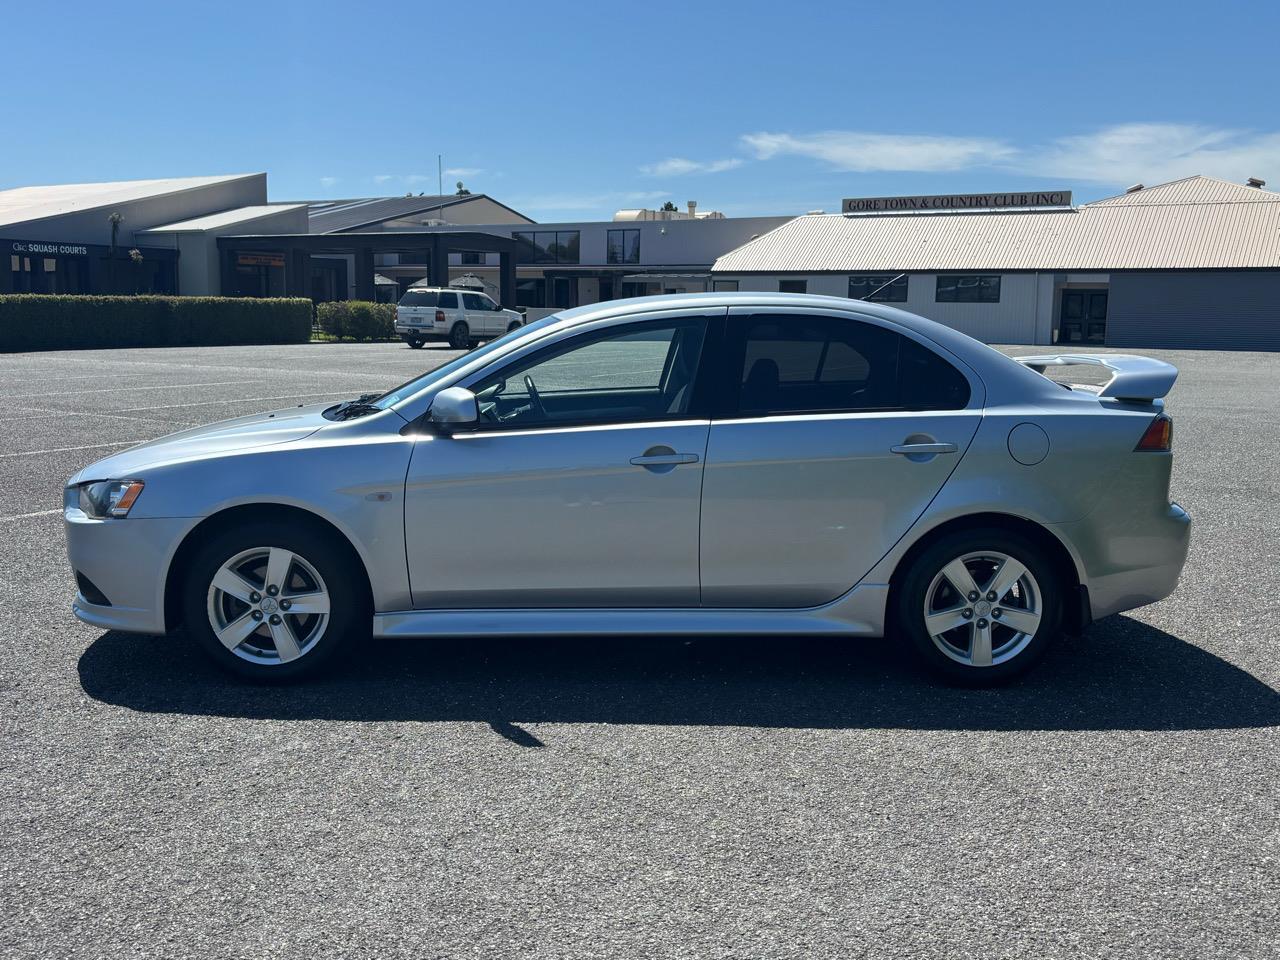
column 1023, row 315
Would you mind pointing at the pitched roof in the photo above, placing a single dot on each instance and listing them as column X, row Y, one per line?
column 37, row 203
column 226, row 218
column 334, row 216
column 1185, row 231
column 1191, row 190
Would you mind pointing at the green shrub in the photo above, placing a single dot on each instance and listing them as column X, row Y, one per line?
column 358, row 319
column 39, row 322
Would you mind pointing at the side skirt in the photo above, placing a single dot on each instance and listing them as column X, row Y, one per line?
column 859, row 613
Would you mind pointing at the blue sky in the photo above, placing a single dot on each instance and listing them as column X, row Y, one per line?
column 570, row 111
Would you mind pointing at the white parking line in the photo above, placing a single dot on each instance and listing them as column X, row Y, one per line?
column 207, row 403
column 28, row 516
column 87, row 446
column 164, row 386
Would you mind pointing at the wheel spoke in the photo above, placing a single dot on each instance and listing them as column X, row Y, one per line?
column 230, row 582
column 1024, row 621
column 235, row 632
column 944, row 620
column 1009, row 573
column 958, row 574
column 278, row 564
column 286, row 642
column 306, row 603
column 980, row 646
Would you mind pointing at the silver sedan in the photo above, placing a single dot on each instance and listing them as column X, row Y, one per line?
column 709, row 464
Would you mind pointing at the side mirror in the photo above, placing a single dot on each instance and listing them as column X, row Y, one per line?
column 455, row 407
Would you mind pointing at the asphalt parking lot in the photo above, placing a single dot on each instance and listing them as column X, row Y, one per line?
column 700, row 798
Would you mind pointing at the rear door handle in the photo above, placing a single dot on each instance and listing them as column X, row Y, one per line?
column 907, row 449
column 664, row 459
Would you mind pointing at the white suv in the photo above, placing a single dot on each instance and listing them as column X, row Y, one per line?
column 462, row 317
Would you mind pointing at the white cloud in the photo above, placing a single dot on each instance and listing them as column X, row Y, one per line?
column 384, row 178
column 329, row 181
column 1120, row 154
column 679, row 166
column 463, row 171
column 578, row 202
column 859, row 152
column 1154, row 153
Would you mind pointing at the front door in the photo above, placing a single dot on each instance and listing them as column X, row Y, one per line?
column 1084, row 317
column 579, row 488
column 841, row 433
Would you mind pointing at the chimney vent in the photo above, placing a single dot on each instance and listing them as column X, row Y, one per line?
column 1255, row 182
column 1134, row 189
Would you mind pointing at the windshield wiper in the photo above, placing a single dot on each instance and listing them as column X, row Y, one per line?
column 350, row 409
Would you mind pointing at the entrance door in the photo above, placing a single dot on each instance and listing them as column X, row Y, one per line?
column 841, row 433
column 580, row 487
column 1084, row 317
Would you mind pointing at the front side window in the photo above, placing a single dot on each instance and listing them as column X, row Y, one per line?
column 878, row 288
column 635, row 373
column 473, row 301
column 820, row 364
column 969, row 288
column 623, row 246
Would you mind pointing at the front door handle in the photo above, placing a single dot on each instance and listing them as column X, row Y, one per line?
column 664, row 459
column 909, row 449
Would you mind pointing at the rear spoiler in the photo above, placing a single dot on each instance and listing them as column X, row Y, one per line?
column 1132, row 377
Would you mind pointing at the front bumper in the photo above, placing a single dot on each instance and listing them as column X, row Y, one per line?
column 128, row 561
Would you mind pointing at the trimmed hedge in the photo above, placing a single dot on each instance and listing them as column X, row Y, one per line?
column 41, row 322
column 359, row 319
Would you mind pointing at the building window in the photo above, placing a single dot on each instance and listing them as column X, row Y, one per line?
column 546, row 246
column 793, row 286
column 623, row 246
column 724, row 286
column 969, row 288
column 469, row 258
column 878, row 288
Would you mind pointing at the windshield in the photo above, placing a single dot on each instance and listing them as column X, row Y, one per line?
column 392, row 397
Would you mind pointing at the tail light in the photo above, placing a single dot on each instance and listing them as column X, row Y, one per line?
column 439, row 316
column 1158, row 437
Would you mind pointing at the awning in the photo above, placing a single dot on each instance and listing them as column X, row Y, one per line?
column 661, row 277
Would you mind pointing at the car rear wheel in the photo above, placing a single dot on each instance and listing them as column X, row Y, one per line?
column 980, row 606
column 272, row 601
column 415, row 344
column 460, row 336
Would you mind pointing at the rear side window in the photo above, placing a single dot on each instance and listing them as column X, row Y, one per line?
column 418, row 298
column 814, row 364
column 448, row 301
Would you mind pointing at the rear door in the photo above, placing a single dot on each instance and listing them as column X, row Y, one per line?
column 417, row 309
column 835, row 433
column 451, row 306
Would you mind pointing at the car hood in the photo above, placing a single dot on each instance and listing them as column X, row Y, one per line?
column 241, row 433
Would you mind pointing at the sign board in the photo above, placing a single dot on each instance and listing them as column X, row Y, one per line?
column 260, row 259
column 957, row 201
column 47, row 249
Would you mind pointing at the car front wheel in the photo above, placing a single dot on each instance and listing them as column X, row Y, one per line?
column 272, row 601
column 980, row 606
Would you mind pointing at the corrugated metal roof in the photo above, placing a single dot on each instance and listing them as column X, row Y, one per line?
column 37, row 203
column 1103, row 236
column 333, row 216
column 226, row 218
column 1192, row 190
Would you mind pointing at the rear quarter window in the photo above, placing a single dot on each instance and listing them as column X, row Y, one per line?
column 927, row 381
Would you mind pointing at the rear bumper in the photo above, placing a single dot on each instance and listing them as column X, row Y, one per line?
column 1130, row 561
column 406, row 332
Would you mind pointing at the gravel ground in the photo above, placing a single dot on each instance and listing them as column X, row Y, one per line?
column 700, row 798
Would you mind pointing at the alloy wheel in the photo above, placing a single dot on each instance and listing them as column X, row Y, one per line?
column 983, row 608
column 268, row 605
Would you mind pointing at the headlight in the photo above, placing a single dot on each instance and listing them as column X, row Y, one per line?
column 107, row 498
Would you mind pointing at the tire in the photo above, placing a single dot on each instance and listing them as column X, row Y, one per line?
column 1032, row 601
column 227, row 585
column 514, row 325
column 415, row 344
column 460, row 336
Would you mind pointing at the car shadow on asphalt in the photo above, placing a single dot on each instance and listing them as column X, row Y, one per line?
column 1122, row 675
